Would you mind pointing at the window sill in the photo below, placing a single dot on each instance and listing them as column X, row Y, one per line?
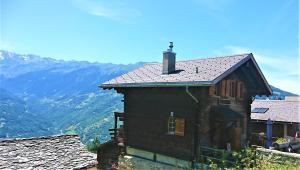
column 174, row 134
column 171, row 134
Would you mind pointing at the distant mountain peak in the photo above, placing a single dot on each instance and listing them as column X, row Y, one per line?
column 7, row 55
column 14, row 64
column 1, row 57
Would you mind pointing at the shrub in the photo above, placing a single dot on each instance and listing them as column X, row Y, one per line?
column 281, row 140
column 248, row 159
column 94, row 145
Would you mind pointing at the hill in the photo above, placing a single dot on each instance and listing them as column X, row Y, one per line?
column 64, row 94
column 16, row 120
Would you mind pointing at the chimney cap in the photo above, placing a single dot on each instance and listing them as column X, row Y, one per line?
column 170, row 46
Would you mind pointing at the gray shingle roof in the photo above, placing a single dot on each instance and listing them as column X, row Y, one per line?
column 210, row 71
column 55, row 152
column 279, row 110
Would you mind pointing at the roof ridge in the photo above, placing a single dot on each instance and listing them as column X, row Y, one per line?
column 211, row 57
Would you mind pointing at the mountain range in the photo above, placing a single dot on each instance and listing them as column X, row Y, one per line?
column 44, row 96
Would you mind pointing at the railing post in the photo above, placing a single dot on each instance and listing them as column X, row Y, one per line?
column 269, row 133
column 116, row 120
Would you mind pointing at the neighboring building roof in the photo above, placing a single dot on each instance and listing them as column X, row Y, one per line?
column 278, row 110
column 54, row 152
column 210, row 71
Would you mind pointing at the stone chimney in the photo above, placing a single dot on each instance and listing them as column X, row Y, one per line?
column 169, row 60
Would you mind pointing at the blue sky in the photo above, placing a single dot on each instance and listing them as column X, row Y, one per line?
column 129, row 31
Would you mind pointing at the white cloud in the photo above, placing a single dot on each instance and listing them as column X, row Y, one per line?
column 284, row 64
column 116, row 10
column 4, row 45
column 280, row 70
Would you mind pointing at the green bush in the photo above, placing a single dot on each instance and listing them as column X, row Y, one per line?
column 281, row 140
column 268, row 163
column 94, row 145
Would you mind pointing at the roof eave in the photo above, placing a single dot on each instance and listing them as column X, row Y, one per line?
column 232, row 69
column 262, row 75
column 158, row 84
column 278, row 121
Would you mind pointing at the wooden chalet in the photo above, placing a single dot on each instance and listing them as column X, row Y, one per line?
column 175, row 108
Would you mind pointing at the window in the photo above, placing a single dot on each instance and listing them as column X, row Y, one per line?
column 176, row 126
column 259, row 110
column 171, row 124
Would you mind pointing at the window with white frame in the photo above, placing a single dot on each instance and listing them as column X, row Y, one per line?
column 171, row 124
column 176, row 125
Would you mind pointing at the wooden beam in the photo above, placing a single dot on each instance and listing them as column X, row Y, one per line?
column 119, row 114
column 285, row 130
column 249, row 79
column 241, row 77
column 116, row 122
column 260, row 82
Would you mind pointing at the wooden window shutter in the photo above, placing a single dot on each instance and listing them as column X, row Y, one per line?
column 218, row 89
column 223, row 87
column 235, row 88
column 228, row 88
column 212, row 90
column 238, row 90
column 242, row 90
column 231, row 88
column 180, row 124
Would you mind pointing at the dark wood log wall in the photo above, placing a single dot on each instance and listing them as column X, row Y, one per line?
column 146, row 118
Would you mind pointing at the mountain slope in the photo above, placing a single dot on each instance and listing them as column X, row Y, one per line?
column 279, row 92
column 65, row 93
column 16, row 121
